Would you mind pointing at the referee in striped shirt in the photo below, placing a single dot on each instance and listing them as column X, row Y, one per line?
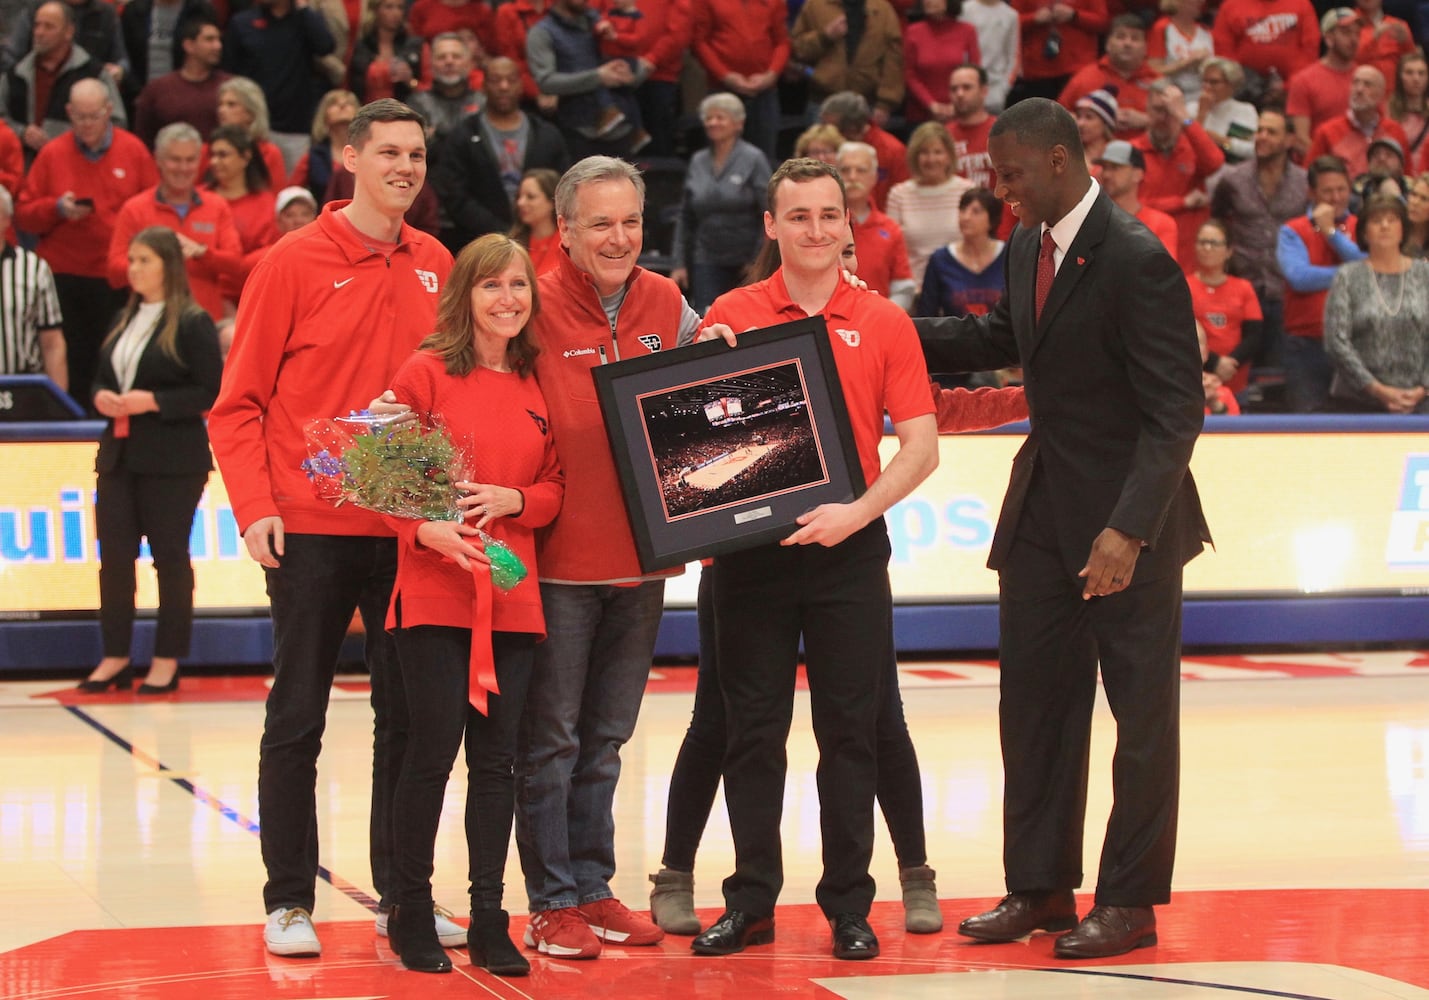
column 31, row 339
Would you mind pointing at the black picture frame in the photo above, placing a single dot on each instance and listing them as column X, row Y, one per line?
column 720, row 449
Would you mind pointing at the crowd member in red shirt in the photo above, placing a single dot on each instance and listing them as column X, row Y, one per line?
column 1122, row 169
column 1179, row 157
column 1271, row 38
column 1059, row 37
column 466, row 647
column 71, row 199
column 743, row 46
column 430, row 18
column 1349, row 135
column 1321, row 90
column 932, row 49
column 535, row 227
column 970, row 124
column 213, row 252
column 1310, row 248
column 826, row 581
column 850, row 114
column 656, row 32
column 1382, row 39
column 1226, row 307
column 878, row 240
column 513, row 20
column 241, row 102
column 329, row 315
column 1122, row 71
column 238, row 176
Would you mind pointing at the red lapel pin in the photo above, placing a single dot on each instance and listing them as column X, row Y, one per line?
column 1081, row 261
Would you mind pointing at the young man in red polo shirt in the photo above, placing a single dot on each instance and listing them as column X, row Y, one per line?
column 827, row 581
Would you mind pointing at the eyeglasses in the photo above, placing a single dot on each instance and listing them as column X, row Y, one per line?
column 1210, row 243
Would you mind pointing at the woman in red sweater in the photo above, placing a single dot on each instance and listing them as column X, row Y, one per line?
column 465, row 648
column 535, row 227
column 238, row 174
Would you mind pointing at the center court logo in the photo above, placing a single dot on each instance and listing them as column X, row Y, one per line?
column 1408, row 545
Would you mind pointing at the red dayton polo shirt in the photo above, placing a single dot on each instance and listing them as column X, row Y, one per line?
column 876, row 351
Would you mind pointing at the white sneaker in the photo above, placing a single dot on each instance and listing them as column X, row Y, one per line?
column 290, row 932
column 450, row 933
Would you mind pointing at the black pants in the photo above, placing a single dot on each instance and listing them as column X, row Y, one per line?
column 695, row 778
column 1053, row 642
column 89, row 306
column 434, row 674
column 839, row 600
column 129, row 507
column 321, row 580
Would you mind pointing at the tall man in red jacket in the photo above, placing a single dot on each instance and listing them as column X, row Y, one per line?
column 744, row 46
column 70, row 199
column 327, row 317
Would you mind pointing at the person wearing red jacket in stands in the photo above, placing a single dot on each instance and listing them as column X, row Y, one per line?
column 744, row 46
column 1349, row 136
column 932, row 49
column 513, row 20
column 236, row 174
column 212, row 249
column 430, row 18
column 1382, row 39
column 70, row 200
column 1123, row 167
column 1059, row 37
column 656, row 32
column 1273, row 38
column 1123, row 68
column 1179, row 157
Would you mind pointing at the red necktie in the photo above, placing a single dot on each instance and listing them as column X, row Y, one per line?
column 1046, row 270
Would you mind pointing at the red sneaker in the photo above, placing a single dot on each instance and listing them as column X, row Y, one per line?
column 561, row 934
column 613, row 923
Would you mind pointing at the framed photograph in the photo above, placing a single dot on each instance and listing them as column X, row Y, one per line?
column 721, row 449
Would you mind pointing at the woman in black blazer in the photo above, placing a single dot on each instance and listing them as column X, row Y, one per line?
column 158, row 374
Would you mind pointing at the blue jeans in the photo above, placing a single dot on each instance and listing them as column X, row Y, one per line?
column 586, row 687
column 321, row 579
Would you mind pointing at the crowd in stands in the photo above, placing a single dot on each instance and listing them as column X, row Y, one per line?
column 790, row 458
column 1278, row 118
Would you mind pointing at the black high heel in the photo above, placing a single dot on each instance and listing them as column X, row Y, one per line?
column 168, row 688
column 122, row 681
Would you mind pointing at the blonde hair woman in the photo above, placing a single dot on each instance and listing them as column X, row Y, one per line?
column 926, row 205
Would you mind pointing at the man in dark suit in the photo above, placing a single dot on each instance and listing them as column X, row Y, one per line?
column 1101, row 515
column 477, row 165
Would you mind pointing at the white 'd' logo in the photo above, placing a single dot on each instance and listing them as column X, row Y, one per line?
column 428, row 279
column 849, row 337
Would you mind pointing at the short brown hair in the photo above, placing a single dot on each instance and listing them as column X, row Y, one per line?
column 800, row 170
column 382, row 110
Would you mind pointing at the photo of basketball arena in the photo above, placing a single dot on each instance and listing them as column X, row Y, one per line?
column 733, row 439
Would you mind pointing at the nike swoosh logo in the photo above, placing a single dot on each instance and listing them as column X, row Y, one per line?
column 339, row 284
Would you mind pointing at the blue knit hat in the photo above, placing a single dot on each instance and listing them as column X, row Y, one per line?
column 1103, row 103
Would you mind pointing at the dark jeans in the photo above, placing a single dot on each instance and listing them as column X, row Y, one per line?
column 695, row 778
column 1307, row 374
column 88, row 306
column 709, row 281
column 128, row 507
column 434, row 665
column 839, row 600
column 322, row 579
column 586, row 687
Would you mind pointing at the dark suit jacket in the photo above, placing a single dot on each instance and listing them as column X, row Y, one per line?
column 468, row 178
column 1113, row 378
column 173, row 441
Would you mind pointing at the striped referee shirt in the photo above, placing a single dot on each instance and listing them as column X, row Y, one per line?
column 28, row 304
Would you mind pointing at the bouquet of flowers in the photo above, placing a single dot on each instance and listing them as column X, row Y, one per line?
column 391, row 465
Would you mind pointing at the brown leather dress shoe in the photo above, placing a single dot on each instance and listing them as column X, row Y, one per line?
column 1109, row 930
column 1021, row 913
